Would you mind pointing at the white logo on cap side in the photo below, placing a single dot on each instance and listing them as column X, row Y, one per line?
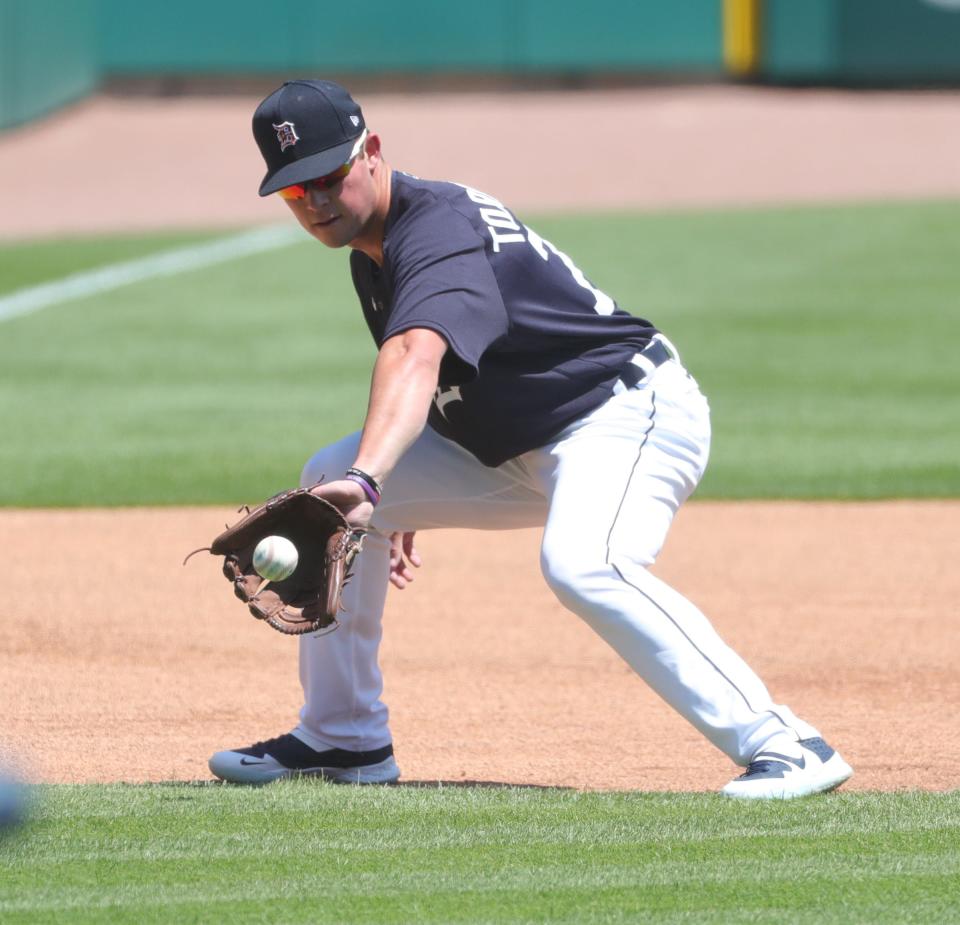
column 286, row 135
column 355, row 120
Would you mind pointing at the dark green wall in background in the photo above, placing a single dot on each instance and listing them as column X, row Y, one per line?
column 48, row 56
column 798, row 38
column 54, row 51
column 244, row 36
column 899, row 40
column 184, row 37
column 646, row 35
column 872, row 42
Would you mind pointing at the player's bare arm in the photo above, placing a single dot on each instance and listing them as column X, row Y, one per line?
column 404, row 382
column 405, row 379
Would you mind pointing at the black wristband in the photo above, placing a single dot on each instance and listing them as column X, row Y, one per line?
column 368, row 480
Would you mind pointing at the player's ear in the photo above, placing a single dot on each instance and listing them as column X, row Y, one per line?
column 371, row 149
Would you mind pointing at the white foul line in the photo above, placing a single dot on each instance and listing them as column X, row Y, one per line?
column 169, row 263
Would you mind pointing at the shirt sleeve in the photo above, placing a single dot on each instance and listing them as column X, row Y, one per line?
column 443, row 281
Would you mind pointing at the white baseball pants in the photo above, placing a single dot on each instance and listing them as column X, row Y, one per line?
column 606, row 491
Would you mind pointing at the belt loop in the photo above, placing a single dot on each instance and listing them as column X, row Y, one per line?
column 674, row 353
column 644, row 362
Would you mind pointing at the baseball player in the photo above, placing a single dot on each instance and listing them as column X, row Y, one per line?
column 508, row 391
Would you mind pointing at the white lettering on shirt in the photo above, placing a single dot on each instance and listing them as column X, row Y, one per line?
column 495, row 216
column 443, row 397
column 604, row 304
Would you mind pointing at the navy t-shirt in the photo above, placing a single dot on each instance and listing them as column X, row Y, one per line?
column 533, row 344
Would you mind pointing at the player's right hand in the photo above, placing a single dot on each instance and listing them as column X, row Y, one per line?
column 403, row 554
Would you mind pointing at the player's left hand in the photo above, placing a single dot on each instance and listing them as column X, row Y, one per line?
column 349, row 498
column 403, row 554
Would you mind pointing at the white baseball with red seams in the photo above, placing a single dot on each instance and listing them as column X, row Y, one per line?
column 275, row 558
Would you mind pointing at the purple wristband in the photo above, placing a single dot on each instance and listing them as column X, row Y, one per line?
column 371, row 494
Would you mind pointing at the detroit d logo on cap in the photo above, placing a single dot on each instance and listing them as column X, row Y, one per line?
column 286, row 135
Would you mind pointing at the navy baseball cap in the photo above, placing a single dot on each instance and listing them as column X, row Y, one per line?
column 306, row 129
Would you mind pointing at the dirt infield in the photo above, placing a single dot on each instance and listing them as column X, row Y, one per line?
column 848, row 612
column 118, row 664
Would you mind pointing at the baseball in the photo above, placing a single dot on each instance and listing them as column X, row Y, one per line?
column 275, row 558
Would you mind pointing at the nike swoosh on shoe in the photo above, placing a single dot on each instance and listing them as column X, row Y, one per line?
column 800, row 762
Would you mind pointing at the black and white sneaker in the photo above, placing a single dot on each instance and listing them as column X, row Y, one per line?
column 287, row 756
column 798, row 770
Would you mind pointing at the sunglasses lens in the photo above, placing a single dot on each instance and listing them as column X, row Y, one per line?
column 293, row 192
column 331, row 179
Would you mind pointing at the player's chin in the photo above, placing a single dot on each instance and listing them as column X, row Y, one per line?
column 334, row 233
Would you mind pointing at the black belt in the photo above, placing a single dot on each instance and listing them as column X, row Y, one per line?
column 655, row 353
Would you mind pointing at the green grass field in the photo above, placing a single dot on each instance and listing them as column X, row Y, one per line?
column 316, row 853
column 824, row 337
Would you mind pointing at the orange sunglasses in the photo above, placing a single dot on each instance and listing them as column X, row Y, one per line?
column 327, row 181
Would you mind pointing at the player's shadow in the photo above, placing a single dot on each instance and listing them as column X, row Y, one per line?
column 491, row 784
column 436, row 784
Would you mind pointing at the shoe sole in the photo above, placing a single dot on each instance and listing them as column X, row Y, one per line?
column 227, row 767
column 830, row 776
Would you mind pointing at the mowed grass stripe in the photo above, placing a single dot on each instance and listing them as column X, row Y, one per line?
column 530, row 866
column 823, row 338
column 299, row 850
column 570, row 874
column 33, row 262
column 95, row 282
column 106, row 814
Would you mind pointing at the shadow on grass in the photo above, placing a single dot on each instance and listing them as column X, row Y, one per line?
column 492, row 784
column 409, row 784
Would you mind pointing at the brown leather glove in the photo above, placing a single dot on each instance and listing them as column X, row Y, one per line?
column 309, row 598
